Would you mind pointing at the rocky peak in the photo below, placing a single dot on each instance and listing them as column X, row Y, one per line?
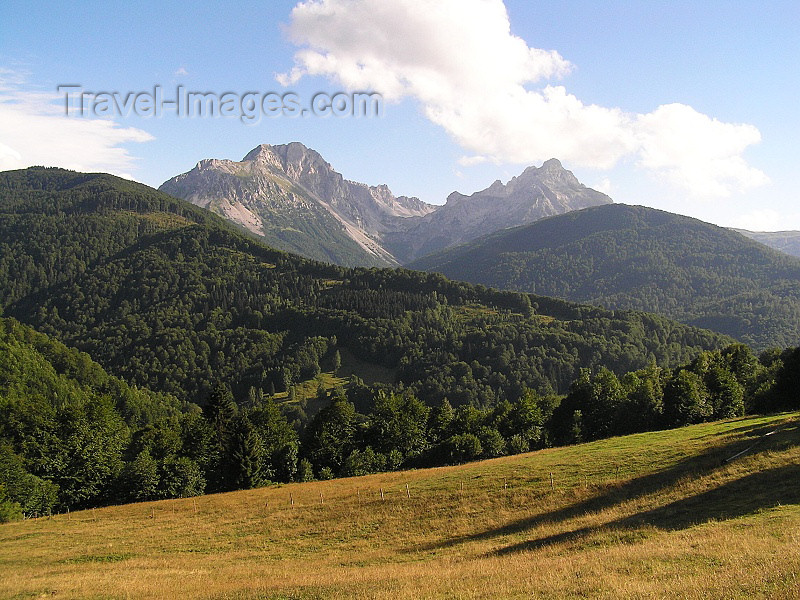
column 552, row 164
column 532, row 182
column 279, row 188
column 535, row 193
column 551, row 174
column 293, row 159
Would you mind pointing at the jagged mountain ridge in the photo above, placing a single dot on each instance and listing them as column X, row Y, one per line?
column 292, row 197
column 537, row 193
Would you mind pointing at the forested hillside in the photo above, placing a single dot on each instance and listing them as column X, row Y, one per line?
column 632, row 257
column 65, row 425
column 171, row 297
column 72, row 436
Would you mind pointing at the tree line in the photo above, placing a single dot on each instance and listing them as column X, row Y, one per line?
column 72, row 436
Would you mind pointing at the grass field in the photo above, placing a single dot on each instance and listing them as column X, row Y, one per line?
column 306, row 391
column 649, row 515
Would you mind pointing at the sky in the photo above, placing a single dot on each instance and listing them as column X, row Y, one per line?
column 689, row 107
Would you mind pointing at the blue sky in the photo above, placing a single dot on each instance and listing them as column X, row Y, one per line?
column 686, row 106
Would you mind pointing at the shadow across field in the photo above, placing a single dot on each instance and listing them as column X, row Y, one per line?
column 736, row 498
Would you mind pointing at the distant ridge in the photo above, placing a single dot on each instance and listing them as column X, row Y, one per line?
column 536, row 193
column 785, row 241
column 290, row 196
column 633, row 257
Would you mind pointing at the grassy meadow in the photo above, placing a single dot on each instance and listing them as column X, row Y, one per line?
column 649, row 515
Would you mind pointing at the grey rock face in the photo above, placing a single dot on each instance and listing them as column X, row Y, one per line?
column 785, row 241
column 536, row 193
column 292, row 197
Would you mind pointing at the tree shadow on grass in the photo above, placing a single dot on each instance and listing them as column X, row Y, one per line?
column 743, row 496
column 740, row 497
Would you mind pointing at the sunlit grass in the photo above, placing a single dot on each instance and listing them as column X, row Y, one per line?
column 305, row 392
column 632, row 517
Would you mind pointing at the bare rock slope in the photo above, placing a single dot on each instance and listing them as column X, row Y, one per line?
column 293, row 198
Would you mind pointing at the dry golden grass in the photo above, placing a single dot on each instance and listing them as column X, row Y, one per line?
column 651, row 515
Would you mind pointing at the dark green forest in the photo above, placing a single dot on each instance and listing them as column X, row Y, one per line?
column 196, row 326
column 633, row 257
column 170, row 297
column 72, row 436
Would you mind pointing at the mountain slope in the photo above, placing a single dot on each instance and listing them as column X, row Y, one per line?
column 634, row 257
column 785, row 241
column 533, row 195
column 64, row 422
column 295, row 200
column 172, row 297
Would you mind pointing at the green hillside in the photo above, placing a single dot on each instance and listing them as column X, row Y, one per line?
column 172, row 298
column 65, row 425
column 657, row 515
column 632, row 257
column 303, row 370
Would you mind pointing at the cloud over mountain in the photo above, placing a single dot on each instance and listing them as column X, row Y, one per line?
column 494, row 94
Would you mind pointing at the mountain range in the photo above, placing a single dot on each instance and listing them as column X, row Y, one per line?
column 182, row 308
column 290, row 196
column 633, row 257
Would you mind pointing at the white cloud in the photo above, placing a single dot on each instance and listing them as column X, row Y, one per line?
column 494, row 94
column 696, row 152
column 404, row 47
column 604, row 185
column 761, row 220
column 34, row 130
column 181, row 72
column 9, row 158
